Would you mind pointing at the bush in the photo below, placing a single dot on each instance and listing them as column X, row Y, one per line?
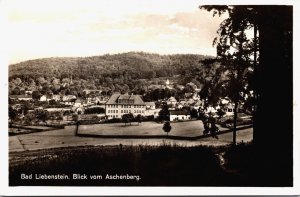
column 114, row 120
column 229, row 121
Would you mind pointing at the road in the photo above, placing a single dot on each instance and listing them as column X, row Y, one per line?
column 66, row 137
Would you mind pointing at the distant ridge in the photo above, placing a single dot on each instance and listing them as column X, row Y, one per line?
column 135, row 62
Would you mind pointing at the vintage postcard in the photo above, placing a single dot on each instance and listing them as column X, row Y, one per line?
column 182, row 95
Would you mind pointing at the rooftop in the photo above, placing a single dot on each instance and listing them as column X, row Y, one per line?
column 124, row 99
column 150, row 103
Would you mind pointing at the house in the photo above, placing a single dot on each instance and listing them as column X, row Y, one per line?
column 176, row 115
column 120, row 104
column 188, row 95
column 68, row 97
column 196, row 97
column 78, row 110
column 152, row 112
column 78, row 103
column 56, row 97
column 91, row 91
column 21, row 97
column 43, row 98
column 179, row 87
column 171, row 101
column 179, row 105
column 198, row 104
column 150, row 105
column 68, row 100
column 96, row 100
column 154, row 86
column 228, row 109
column 192, row 85
column 211, row 109
column 225, row 101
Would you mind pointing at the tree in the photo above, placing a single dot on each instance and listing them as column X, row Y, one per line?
column 139, row 118
column 29, row 118
column 220, row 113
column 274, row 50
column 194, row 113
column 127, row 118
column 12, row 113
column 94, row 110
column 234, row 51
column 167, row 127
column 164, row 113
column 42, row 115
column 75, row 118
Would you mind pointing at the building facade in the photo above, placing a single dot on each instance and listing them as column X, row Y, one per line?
column 119, row 104
column 179, row 115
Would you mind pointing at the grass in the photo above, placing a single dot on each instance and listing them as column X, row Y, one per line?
column 166, row 165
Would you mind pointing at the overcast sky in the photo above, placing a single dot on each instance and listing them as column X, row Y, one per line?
column 52, row 28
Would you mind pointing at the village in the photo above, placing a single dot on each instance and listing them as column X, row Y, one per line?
column 95, row 108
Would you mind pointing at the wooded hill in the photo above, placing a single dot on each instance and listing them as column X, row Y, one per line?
column 136, row 64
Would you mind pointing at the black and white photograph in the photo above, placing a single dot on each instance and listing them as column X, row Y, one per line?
column 147, row 93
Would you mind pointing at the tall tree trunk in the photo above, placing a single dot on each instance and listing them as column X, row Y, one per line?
column 234, row 122
column 273, row 132
column 256, row 77
column 77, row 128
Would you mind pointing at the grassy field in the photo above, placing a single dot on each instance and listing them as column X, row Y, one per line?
column 165, row 165
column 66, row 137
column 158, row 166
column 189, row 128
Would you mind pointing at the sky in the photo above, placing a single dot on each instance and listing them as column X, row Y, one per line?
column 67, row 28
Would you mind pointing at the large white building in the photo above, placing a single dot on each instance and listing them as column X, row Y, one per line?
column 179, row 115
column 119, row 104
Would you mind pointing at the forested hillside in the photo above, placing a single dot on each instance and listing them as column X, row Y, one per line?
column 128, row 72
column 138, row 65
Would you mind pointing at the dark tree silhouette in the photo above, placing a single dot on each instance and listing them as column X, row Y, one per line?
column 274, row 25
column 139, row 118
column 12, row 113
column 167, row 127
column 75, row 118
column 127, row 118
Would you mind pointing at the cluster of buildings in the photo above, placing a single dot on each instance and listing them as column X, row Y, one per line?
column 118, row 104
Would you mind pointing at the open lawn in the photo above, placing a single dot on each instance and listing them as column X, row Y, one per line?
column 190, row 129
column 66, row 137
